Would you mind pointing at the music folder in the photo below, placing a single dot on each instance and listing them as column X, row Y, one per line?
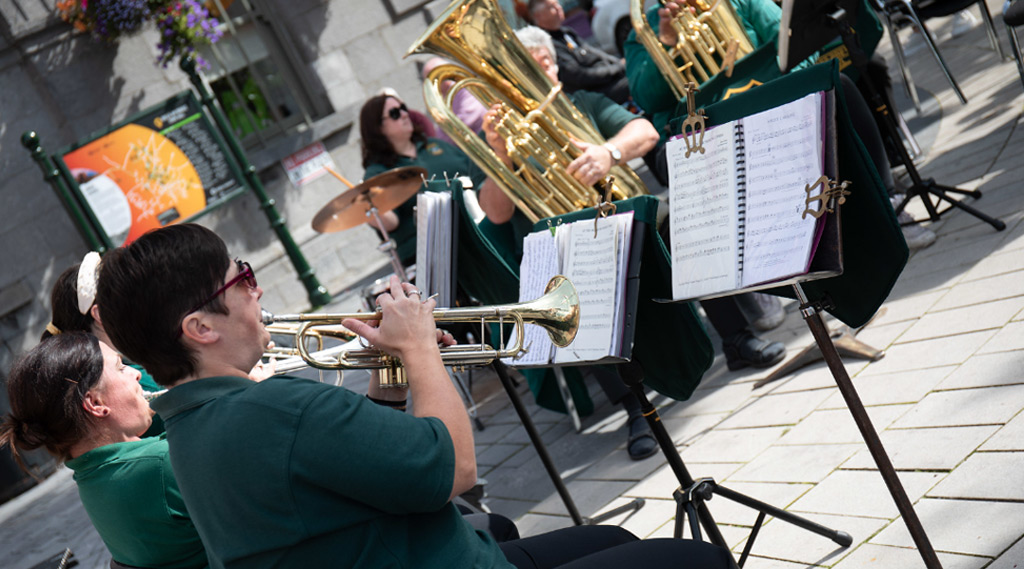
column 747, row 212
column 602, row 259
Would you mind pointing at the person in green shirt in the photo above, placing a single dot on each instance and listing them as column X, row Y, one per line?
column 295, row 473
column 73, row 396
column 390, row 139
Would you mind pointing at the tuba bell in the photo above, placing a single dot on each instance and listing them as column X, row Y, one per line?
column 539, row 121
column 710, row 38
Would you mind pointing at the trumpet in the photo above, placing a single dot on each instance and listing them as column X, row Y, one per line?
column 557, row 311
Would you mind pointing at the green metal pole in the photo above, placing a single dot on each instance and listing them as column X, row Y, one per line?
column 318, row 295
column 97, row 240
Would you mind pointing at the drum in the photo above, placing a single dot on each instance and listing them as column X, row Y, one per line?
column 373, row 290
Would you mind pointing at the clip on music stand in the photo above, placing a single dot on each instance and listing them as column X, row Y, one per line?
column 806, row 26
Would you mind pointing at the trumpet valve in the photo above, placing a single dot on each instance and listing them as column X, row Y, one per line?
column 393, row 374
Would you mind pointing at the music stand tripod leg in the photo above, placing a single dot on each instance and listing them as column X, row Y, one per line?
column 692, row 494
column 919, row 187
column 812, row 315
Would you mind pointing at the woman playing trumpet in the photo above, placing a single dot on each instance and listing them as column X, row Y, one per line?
column 73, row 396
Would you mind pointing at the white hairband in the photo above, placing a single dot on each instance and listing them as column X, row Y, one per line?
column 88, row 275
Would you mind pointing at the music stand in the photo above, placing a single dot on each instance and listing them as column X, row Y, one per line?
column 806, row 26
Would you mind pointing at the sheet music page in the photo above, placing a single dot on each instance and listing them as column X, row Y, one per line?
column 591, row 265
column 625, row 233
column 423, row 242
column 784, row 148
column 702, row 200
column 540, row 263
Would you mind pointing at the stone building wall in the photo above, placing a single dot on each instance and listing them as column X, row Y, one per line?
column 63, row 86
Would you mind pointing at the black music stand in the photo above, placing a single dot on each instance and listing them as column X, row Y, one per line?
column 807, row 25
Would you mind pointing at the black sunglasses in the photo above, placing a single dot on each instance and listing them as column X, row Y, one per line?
column 396, row 112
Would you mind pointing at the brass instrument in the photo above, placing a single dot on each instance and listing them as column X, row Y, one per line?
column 709, row 40
column 538, row 120
column 557, row 311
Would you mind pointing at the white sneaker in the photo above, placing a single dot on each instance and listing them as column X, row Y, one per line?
column 916, row 236
column 963, row 22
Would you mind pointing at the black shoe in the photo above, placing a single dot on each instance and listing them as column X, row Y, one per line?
column 746, row 349
column 641, row 443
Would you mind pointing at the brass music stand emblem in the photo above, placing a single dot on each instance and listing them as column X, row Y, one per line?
column 693, row 125
column 831, row 195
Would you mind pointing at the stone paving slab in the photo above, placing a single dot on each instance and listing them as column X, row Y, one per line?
column 983, row 290
column 987, row 370
column 890, row 388
column 834, row 426
column 985, row 475
column 1009, row 437
column 938, row 448
column 968, row 527
column 795, row 463
column 985, row 316
column 773, row 410
column 781, row 540
column 1009, row 338
column 981, row 406
column 930, row 353
column 871, row 556
column 862, row 493
column 1011, row 558
column 732, row 445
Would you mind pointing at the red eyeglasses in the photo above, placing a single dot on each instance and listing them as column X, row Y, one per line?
column 245, row 273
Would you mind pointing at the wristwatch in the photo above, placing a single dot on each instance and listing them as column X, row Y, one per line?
column 616, row 154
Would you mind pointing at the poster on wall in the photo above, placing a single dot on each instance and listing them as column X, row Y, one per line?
column 166, row 165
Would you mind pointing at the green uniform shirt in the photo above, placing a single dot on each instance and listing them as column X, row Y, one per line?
column 132, row 498
column 294, row 473
column 760, row 19
column 438, row 158
column 150, row 385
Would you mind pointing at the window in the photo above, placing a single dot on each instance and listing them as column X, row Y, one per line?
column 250, row 73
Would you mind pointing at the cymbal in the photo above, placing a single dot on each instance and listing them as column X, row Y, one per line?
column 384, row 191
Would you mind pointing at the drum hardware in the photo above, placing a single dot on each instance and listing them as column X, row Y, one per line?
column 557, row 311
column 368, row 200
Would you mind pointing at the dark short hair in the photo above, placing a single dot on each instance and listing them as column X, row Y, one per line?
column 45, row 388
column 64, row 304
column 376, row 147
column 147, row 287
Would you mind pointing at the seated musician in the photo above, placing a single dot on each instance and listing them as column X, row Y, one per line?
column 74, row 397
column 741, row 347
column 295, row 473
column 760, row 19
column 583, row 66
column 390, row 139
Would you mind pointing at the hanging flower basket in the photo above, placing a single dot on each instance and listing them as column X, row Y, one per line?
column 184, row 25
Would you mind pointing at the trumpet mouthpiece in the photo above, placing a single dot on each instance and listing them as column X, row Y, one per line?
column 266, row 316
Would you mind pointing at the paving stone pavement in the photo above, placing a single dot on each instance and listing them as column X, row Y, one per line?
column 946, row 399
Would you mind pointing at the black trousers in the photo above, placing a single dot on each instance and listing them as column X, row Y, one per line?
column 609, row 547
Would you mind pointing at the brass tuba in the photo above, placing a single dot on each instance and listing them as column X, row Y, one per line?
column 539, row 120
column 710, row 39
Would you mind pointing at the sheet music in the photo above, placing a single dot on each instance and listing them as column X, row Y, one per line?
column 591, row 264
column 625, row 232
column 540, row 263
column 434, row 215
column 702, row 198
column 783, row 154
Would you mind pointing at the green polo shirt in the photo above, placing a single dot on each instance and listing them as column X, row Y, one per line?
column 150, row 385
column 438, row 158
column 294, row 473
column 129, row 492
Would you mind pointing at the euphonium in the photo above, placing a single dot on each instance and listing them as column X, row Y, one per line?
column 557, row 311
column 710, row 39
column 539, row 121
